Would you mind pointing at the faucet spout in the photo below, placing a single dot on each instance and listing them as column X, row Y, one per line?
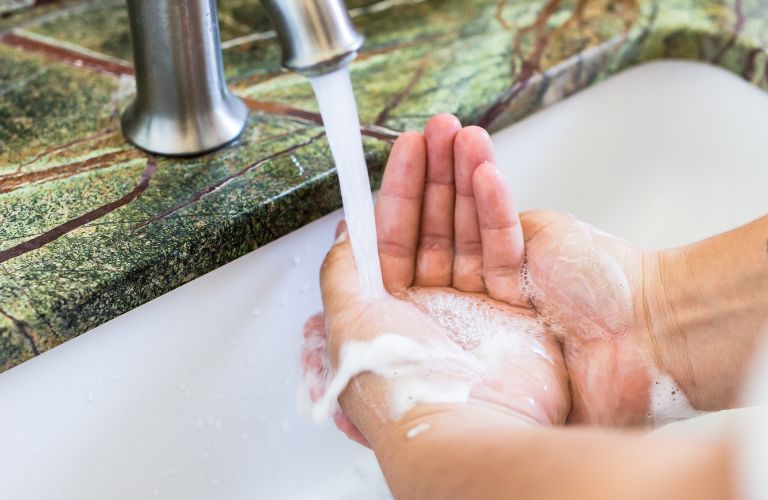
column 317, row 36
column 182, row 105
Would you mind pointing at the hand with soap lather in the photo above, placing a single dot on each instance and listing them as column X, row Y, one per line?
column 529, row 382
column 623, row 316
column 626, row 318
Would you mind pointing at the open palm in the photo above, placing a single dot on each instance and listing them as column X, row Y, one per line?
column 437, row 299
column 455, row 224
column 451, row 240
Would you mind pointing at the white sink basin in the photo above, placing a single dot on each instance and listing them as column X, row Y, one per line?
column 193, row 395
column 661, row 155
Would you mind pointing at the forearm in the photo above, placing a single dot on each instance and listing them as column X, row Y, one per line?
column 712, row 309
column 476, row 453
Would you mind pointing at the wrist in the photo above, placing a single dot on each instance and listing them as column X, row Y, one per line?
column 707, row 306
column 671, row 311
column 365, row 402
column 433, row 425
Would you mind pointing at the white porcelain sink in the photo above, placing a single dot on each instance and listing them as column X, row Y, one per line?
column 193, row 395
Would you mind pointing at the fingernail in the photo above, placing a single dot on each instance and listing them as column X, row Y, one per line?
column 340, row 238
column 341, row 227
column 484, row 163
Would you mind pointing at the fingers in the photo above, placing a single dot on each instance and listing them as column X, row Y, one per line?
column 314, row 357
column 346, row 426
column 429, row 231
column 472, row 147
column 316, row 371
column 341, row 227
column 434, row 261
column 398, row 210
column 501, row 235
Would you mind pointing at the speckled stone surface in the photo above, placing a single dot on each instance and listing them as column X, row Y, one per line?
column 90, row 227
column 8, row 6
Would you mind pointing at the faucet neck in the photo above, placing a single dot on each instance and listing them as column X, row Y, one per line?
column 317, row 36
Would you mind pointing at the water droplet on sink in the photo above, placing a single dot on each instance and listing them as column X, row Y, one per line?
column 285, row 426
column 156, row 492
column 213, row 422
column 89, row 397
column 296, row 260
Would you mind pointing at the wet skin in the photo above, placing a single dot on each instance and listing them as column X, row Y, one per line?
column 445, row 218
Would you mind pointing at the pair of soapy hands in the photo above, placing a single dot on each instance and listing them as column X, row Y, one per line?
column 445, row 218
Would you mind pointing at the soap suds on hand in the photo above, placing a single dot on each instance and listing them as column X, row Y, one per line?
column 417, row 430
column 481, row 338
column 416, row 373
column 483, row 328
column 668, row 402
column 585, row 287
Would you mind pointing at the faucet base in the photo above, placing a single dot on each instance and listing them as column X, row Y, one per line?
column 182, row 106
column 169, row 136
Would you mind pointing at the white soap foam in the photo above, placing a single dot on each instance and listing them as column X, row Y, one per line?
column 668, row 402
column 417, row 430
column 490, row 330
column 416, row 373
column 482, row 337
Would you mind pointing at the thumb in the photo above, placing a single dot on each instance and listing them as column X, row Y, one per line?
column 338, row 275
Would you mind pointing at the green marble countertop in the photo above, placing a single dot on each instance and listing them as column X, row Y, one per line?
column 90, row 227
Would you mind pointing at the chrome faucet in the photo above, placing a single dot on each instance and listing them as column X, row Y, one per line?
column 183, row 106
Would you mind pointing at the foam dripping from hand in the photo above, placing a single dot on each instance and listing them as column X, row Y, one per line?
column 668, row 402
column 416, row 373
